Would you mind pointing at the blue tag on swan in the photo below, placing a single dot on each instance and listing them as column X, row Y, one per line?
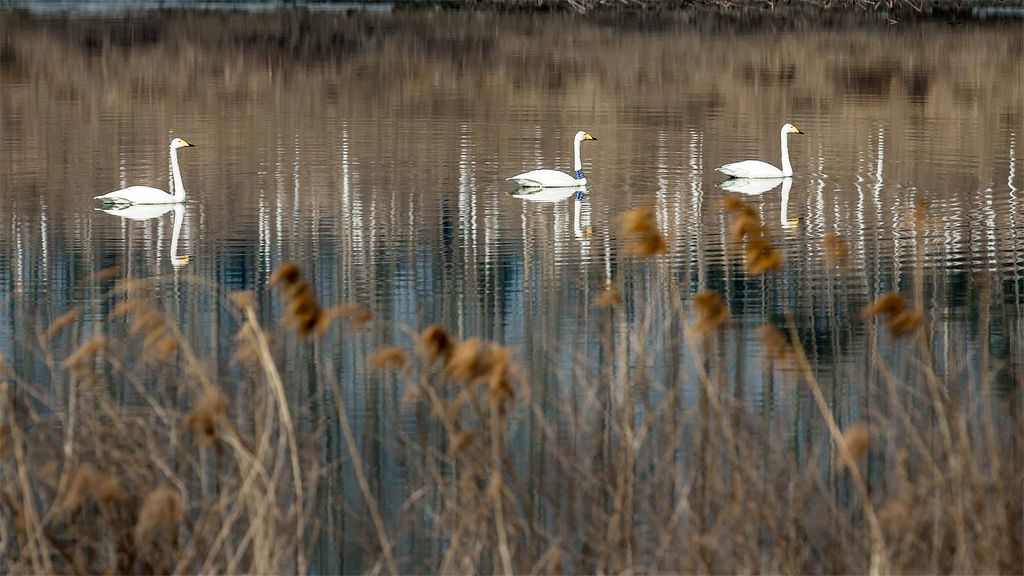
column 579, row 195
column 579, row 174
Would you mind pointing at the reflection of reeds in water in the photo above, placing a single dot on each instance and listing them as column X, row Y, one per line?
column 202, row 474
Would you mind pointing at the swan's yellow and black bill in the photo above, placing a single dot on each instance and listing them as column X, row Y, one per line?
column 797, row 130
column 187, row 144
column 587, row 136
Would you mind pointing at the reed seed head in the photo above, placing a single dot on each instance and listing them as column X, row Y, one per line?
column 166, row 347
column 105, row 274
column 762, row 257
column 639, row 226
column 80, row 360
column 159, row 515
column 499, row 383
column 81, row 486
column 411, row 396
column 389, row 358
column 608, row 299
column 146, row 323
column 434, row 342
column 469, row 361
column 735, row 205
column 857, row 439
column 210, row 406
column 357, row 314
column 462, row 440
column 109, row 491
column 287, row 274
column 128, row 306
column 6, row 441
column 244, row 299
column 776, row 345
column 746, row 225
column 711, row 312
column 885, row 305
column 905, row 322
column 62, row 322
column 836, row 249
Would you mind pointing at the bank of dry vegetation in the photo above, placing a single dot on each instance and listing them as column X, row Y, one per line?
column 139, row 459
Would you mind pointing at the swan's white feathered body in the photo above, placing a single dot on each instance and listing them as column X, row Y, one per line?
column 140, row 195
column 133, row 195
column 544, row 179
column 751, row 169
column 553, row 178
column 759, row 169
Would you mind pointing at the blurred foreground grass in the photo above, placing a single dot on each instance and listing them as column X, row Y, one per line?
column 138, row 459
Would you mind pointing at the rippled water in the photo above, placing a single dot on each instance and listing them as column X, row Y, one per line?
column 372, row 150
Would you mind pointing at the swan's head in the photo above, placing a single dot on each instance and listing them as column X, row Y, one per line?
column 790, row 129
column 581, row 136
column 180, row 143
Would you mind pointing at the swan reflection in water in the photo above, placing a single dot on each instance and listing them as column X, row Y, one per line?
column 553, row 195
column 141, row 212
column 757, row 186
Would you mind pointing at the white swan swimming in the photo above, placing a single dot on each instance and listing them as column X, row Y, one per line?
column 758, row 169
column 147, row 212
column 554, row 178
column 148, row 194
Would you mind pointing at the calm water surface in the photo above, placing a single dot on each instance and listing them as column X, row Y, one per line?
column 372, row 150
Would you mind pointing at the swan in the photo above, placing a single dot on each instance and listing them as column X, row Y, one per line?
column 758, row 169
column 554, row 178
column 147, row 194
column 141, row 212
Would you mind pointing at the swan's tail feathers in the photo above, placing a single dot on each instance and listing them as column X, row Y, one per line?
column 525, row 183
column 107, row 202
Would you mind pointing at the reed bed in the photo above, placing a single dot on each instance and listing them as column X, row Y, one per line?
column 139, row 458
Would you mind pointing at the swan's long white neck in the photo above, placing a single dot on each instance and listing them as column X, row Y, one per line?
column 179, row 188
column 787, row 168
column 577, row 162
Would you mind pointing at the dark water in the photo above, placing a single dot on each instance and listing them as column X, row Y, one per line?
column 372, row 150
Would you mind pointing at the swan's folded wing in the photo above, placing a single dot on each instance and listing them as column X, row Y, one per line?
column 137, row 195
column 544, row 179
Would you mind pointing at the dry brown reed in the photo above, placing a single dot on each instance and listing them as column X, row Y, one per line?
column 302, row 309
column 760, row 254
column 776, row 345
column 836, row 249
column 707, row 485
column 640, row 227
column 711, row 312
column 357, row 314
column 389, row 358
column 210, row 407
column 900, row 319
column 435, row 343
column 609, row 298
column 857, row 440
